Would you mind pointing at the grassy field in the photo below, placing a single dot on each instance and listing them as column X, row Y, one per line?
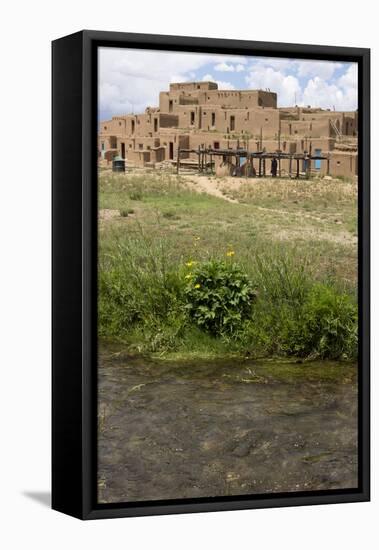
column 295, row 243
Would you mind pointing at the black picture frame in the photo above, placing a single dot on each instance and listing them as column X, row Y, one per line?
column 74, row 332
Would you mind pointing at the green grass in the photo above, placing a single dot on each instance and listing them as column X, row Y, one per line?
column 294, row 240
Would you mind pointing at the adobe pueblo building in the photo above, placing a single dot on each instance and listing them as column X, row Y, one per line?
column 233, row 132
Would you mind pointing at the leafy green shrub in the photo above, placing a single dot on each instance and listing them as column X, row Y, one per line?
column 149, row 300
column 219, row 297
column 295, row 315
column 171, row 215
column 124, row 212
column 136, row 195
column 326, row 327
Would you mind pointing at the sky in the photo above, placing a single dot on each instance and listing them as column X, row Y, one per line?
column 130, row 80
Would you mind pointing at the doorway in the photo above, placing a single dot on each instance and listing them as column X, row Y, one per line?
column 171, row 151
column 123, row 150
column 317, row 153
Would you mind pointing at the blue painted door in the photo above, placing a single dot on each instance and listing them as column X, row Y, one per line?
column 317, row 153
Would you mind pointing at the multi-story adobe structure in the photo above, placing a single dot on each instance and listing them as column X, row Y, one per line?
column 197, row 114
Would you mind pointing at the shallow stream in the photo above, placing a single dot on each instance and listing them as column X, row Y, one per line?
column 193, row 429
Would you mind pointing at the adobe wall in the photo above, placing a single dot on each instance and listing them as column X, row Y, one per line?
column 214, row 118
column 311, row 128
column 343, row 164
column 198, row 114
column 189, row 86
column 169, row 101
column 115, row 126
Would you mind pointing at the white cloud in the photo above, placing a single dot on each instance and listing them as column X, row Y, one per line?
column 222, row 85
column 321, row 69
column 319, row 93
column 132, row 79
column 279, row 63
column 229, row 68
column 299, row 67
column 286, row 86
column 350, row 78
column 224, row 67
column 179, row 78
column 135, row 77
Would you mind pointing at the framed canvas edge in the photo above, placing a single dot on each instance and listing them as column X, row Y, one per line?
column 85, row 506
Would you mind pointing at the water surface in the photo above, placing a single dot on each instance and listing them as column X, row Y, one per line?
column 227, row 427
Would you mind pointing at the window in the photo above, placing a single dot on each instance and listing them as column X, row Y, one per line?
column 198, row 86
column 140, row 146
column 133, row 126
column 119, row 123
column 170, row 104
column 102, row 146
column 213, row 119
column 155, row 125
column 105, row 127
column 232, row 123
column 216, row 145
column 192, row 120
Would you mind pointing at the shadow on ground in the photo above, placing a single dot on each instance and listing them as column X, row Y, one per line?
column 41, row 497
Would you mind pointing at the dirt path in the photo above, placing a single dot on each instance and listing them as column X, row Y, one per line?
column 203, row 184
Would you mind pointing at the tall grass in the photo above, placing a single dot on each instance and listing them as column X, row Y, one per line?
column 143, row 301
column 297, row 315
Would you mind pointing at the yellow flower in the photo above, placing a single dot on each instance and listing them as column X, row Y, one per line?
column 197, row 286
column 189, row 276
column 191, row 263
column 230, row 253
